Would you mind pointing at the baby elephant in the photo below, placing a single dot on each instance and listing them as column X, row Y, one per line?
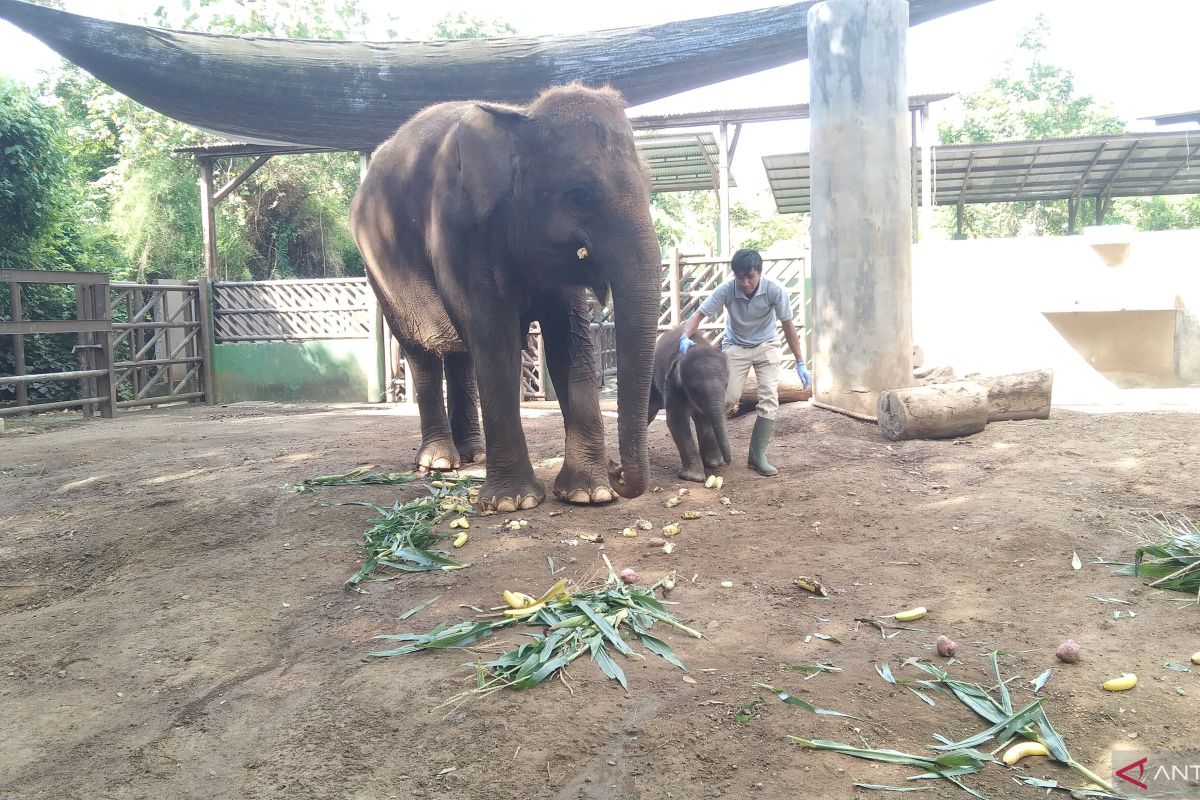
column 692, row 387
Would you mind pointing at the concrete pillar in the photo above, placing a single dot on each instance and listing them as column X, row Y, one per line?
column 861, row 206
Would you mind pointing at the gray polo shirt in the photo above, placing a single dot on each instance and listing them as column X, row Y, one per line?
column 749, row 321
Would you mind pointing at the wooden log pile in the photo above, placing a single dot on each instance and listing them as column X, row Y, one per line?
column 963, row 407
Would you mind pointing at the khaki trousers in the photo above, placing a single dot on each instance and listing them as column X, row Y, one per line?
column 765, row 360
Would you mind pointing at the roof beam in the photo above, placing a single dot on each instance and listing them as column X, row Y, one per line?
column 1112, row 179
column 962, row 192
column 1184, row 164
column 1032, row 162
column 1087, row 172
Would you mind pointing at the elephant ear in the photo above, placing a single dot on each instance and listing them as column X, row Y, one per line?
column 485, row 144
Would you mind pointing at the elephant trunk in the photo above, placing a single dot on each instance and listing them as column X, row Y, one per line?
column 636, row 295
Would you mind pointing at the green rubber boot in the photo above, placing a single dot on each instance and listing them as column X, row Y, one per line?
column 758, row 447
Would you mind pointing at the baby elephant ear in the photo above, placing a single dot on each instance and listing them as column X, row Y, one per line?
column 485, row 143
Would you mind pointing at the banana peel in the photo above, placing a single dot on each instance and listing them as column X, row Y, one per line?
column 811, row 585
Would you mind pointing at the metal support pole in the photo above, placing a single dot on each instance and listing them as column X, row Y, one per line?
column 676, row 285
column 723, row 173
column 14, row 298
column 208, row 219
column 912, row 173
column 925, row 225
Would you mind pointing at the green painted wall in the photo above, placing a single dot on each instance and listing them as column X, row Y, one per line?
column 332, row 370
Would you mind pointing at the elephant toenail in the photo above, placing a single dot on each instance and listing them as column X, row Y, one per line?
column 529, row 501
column 506, row 505
column 579, row 496
column 602, row 495
column 441, row 463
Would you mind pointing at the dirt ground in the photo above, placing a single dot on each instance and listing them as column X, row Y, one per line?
column 173, row 622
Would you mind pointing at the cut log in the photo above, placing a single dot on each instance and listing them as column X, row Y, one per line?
column 1022, row 395
column 941, row 411
column 790, row 391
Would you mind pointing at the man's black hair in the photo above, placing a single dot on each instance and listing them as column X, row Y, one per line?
column 745, row 261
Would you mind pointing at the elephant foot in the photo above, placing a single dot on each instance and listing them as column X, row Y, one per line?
column 438, row 457
column 509, row 496
column 471, row 451
column 582, row 486
column 694, row 475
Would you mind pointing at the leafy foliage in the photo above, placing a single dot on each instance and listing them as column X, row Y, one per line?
column 1030, row 99
column 462, row 25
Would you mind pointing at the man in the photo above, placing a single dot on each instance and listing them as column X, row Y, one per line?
column 752, row 305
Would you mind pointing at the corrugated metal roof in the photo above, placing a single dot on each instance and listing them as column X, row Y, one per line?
column 1125, row 165
column 687, row 119
column 681, row 162
column 1179, row 118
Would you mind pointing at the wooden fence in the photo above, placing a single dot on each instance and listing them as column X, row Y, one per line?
column 149, row 344
column 138, row 344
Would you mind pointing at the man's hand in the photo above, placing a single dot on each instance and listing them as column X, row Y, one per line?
column 802, row 371
column 684, row 344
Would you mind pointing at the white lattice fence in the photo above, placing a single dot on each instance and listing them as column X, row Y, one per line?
column 263, row 311
column 698, row 277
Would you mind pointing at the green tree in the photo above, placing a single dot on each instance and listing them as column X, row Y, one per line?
column 1030, row 99
column 461, row 25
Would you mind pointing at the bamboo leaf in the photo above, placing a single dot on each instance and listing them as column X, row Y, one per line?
column 602, row 625
column 796, row 701
column 882, row 788
column 1005, row 700
column 418, row 609
column 661, row 648
column 609, row 667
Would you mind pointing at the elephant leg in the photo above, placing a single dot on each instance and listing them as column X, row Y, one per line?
column 463, row 402
column 496, row 341
column 437, row 446
column 566, row 331
column 710, row 451
column 680, row 424
column 656, row 404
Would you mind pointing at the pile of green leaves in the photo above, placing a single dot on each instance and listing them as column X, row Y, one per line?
column 405, row 537
column 593, row 621
column 363, row 476
column 954, row 759
column 1171, row 556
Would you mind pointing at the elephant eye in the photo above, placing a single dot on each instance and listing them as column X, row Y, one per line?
column 581, row 198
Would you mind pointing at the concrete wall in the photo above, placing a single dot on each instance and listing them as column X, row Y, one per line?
column 334, row 370
column 1101, row 315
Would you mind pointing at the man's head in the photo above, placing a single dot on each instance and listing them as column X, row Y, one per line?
column 747, row 270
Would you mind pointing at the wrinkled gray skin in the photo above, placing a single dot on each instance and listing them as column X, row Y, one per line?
column 692, row 388
column 471, row 221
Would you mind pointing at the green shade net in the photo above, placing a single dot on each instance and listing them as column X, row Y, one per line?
column 353, row 95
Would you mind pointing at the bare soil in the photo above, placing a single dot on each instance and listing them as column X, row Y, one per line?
column 173, row 622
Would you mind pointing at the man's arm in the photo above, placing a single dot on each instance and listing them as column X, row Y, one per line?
column 793, row 340
column 693, row 324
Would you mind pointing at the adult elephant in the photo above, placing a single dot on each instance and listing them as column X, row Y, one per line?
column 476, row 219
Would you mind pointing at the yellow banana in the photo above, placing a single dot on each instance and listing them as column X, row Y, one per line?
column 673, row 501
column 691, row 515
column 911, row 615
column 517, row 599
column 461, row 539
column 673, row 529
column 1196, row 657
column 524, row 612
column 1121, row 684
column 710, row 481
column 1018, row 751
column 629, row 533
column 555, row 590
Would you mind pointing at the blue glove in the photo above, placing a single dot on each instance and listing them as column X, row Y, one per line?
column 684, row 344
column 802, row 371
